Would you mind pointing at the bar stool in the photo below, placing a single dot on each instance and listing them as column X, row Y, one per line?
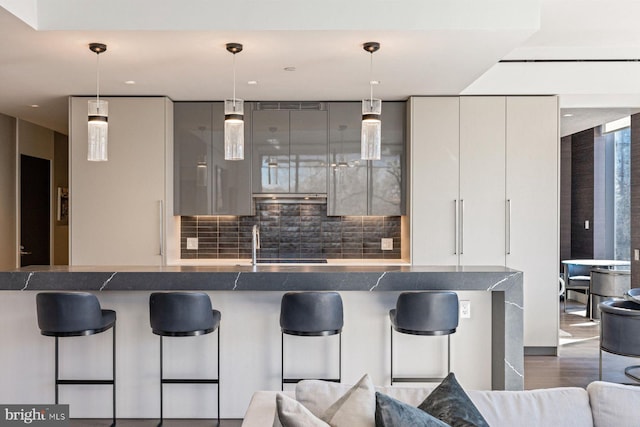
column 183, row 314
column 425, row 313
column 311, row 314
column 74, row 314
column 620, row 332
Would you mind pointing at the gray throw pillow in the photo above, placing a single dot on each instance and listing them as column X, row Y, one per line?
column 449, row 402
column 393, row 413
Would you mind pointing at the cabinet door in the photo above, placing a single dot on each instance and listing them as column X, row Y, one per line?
column 230, row 180
column 308, row 152
column 347, row 192
column 115, row 210
column 482, row 180
column 193, row 136
column 434, row 148
column 270, row 130
column 532, row 229
column 386, row 176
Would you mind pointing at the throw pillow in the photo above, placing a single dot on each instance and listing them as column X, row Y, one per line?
column 356, row 408
column 449, row 403
column 393, row 413
column 292, row 413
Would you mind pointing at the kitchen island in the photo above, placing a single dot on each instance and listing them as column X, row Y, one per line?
column 487, row 349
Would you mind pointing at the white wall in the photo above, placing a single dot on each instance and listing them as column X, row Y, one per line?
column 250, row 354
column 8, row 255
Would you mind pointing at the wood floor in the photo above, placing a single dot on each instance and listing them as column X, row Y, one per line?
column 575, row 366
column 577, row 361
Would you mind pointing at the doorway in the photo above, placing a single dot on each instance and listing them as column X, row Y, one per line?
column 35, row 211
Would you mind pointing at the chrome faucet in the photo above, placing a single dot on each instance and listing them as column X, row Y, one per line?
column 255, row 244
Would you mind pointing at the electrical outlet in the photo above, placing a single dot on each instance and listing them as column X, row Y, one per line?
column 586, row 225
column 465, row 309
column 192, row 243
column 386, row 244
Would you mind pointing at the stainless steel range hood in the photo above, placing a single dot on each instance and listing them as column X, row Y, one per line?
column 290, row 198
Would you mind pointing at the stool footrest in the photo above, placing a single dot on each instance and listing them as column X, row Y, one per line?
column 627, row 372
column 189, row 381
column 85, row 382
column 416, row 380
column 297, row 380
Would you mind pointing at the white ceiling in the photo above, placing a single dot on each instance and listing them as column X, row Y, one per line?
column 440, row 47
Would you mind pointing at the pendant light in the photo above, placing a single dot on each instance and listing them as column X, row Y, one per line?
column 234, row 116
column 98, row 116
column 371, row 109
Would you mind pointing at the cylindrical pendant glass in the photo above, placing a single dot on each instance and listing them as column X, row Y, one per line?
column 98, row 130
column 371, row 137
column 233, row 129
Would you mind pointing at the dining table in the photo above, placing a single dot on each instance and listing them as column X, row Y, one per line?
column 594, row 263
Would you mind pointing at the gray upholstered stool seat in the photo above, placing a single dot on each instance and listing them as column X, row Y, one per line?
column 311, row 314
column 72, row 314
column 620, row 331
column 425, row 313
column 633, row 295
column 183, row 314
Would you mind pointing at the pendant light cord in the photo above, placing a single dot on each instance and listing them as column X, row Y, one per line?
column 371, row 81
column 234, row 82
column 98, row 82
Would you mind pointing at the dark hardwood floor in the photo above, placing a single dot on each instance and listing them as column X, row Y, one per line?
column 575, row 366
column 578, row 355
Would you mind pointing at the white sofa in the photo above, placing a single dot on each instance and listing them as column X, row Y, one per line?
column 602, row 404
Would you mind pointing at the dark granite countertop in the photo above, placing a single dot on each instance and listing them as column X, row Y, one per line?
column 281, row 277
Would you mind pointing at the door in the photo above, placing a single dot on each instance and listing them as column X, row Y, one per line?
column 482, row 180
column 435, row 154
column 35, row 211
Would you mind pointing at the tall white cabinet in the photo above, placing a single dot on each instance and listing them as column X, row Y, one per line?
column 121, row 210
column 484, row 191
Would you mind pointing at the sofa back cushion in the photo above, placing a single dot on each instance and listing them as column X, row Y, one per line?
column 565, row 406
column 614, row 404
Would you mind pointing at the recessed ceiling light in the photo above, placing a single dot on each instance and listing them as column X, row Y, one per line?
column 34, row 106
column 130, row 82
column 252, row 82
column 567, row 115
column 289, row 68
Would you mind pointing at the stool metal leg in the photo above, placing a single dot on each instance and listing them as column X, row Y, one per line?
column 218, row 376
column 600, row 366
column 57, row 370
column 161, row 383
column 448, row 354
column 114, row 374
column 340, row 359
column 391, row 328
column 282, row 361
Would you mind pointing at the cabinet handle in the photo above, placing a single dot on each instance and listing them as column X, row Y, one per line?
column 456, row 237
column 161, row 228
column 461, row 226
column 508, row 236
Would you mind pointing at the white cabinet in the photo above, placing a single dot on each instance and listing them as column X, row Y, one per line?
column 482, row 175
column 533, row 226
column 484, row 191
column 458, row 180
column 435, row 163
column 117, row 207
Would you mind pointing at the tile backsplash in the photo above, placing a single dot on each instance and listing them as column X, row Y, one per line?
column 291, row 230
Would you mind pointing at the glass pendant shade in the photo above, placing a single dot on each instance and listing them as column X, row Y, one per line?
column 371, row 137
column 233, row 129
column 98, row 130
